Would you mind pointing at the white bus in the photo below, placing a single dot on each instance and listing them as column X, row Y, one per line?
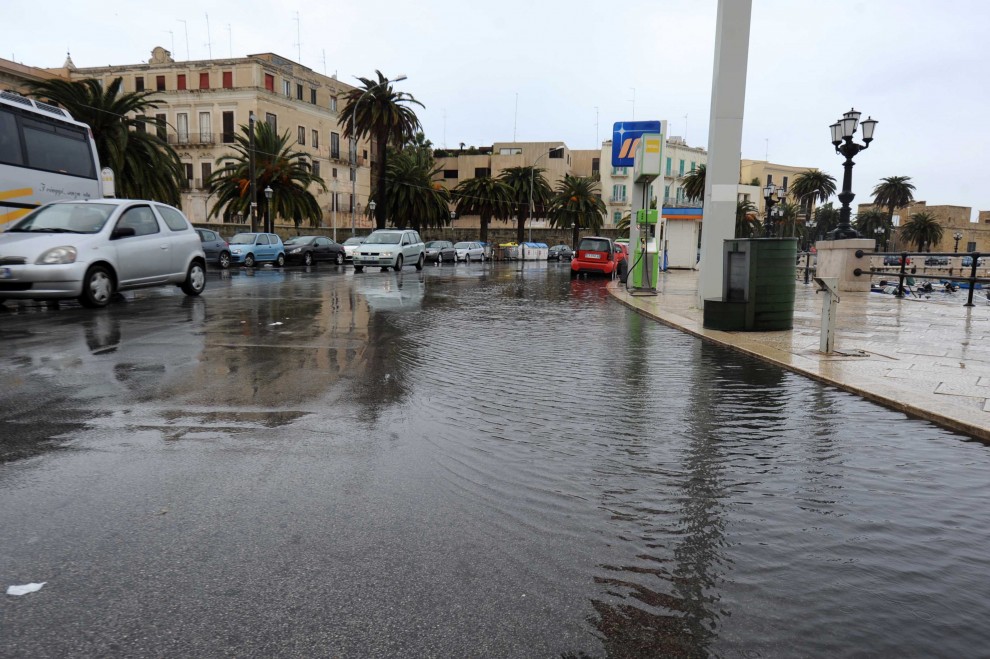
column 44, row 155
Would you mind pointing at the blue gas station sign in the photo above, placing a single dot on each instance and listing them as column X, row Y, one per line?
column 625, row 138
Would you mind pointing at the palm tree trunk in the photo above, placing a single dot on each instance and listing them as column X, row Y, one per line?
column 574, row 237
column 485, row 219
column 520, row 227
column 382, row 148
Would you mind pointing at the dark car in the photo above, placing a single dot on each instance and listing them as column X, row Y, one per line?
column 937, row 260
column 440, row 251
column 560, row 252
column 895, row 260
column 312, row 249
column 215, row 247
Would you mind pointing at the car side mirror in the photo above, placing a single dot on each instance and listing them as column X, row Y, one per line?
column 122, row 232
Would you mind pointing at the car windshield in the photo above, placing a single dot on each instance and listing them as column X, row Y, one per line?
column 462, row 245
column 356, row 240
column 66, row 218
column 383, row 239
column 242, row 239
column 435, row 243
column 593, row 245
column 300, row 240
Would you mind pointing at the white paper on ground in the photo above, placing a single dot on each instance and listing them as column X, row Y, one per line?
column 25, row 589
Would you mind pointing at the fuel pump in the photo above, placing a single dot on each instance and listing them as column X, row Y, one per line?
column 645, row 269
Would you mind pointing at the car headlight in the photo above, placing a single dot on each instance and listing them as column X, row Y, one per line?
column 387, row 254
column 296, row 250
column 58, row 256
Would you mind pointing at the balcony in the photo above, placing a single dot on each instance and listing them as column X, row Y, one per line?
column 197, row 138
column 618, row 199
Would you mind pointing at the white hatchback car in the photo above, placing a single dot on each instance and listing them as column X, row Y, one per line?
column 92, row 249
column 390, row 248
column 468, row 251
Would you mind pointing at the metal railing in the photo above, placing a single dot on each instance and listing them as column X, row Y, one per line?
column 897, row 263
column 807, row 262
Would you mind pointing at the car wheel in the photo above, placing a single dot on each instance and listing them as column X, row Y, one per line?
column 339, row 259
column 224, row 260
column 97, row 287
column 398, row 263
column 280, row 260
column 420, row 261
column 623, row 271
column 195, row 279
column 359, row 268
column 308, row 258
column 249, row 261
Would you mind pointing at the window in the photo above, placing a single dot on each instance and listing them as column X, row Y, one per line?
column 139, row 83
column 206, row 169
column 693, row 166
column 971, row 247
column 262, row 239
column 299, row 91
column 228, row 79
column 316, row 168
column 316, row 139
column 596, row 164
column 188, row 168
column 619, row 192
column 556, row 152
column 353, row 176
column 616, row 217
column 785, row 183
column 450, row 173
column 204, row 80
column 182, row 128
column 335, row 172
column 160, row 124
column 301, row 135
column 334, row 145
column 272, row 121
column 176, row 222
column 270, row 82
column 312, row 96
column 680, row 194
column 228, row 127
column 680, row 169
column 509, row 151
column 364, row 154
column 10, row 140
column 180, row 81
column 141, row 219
column 333, row 103
column 141, row 126
column 160, row 83
column 287, row 88
column 618, row 171
column 668, row 167
column 63, row 149
column 666, row 192
column 480, row 172
column 205, row 128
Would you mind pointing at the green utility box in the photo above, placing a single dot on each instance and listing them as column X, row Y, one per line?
column 757, row 287
column 646, row 262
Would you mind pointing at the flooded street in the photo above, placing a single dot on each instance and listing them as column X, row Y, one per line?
column 480, row 460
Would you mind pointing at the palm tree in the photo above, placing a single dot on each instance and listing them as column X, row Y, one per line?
column 694, row 183
column 527, row 183
column 747, row 222
column 144, row 165
column 810, row 186
column 922, row 229
column 869, row 221
column 826, row 220
column 377, row 110
column 787, row 215
column 413, row 198
column 893, row 192
column 487, row 197
column 578, row 204
column 288, row 173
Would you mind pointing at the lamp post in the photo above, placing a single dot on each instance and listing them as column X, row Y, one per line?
column 334, row 186
column 772, row 195
column 532, row 171
column 879, row 231
column 353, row 157
column 957, row 236
column 842, row 138
column 371, row 208
column 269, row 220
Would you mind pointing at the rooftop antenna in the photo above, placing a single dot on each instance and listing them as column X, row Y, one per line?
column 298, row 43
column 515, row 118
column 685, row 130
column 172, row 34
column 209, row 39
column 230, row 41
column 445, row 128
column 633, row 99
column 767, row 155
column 324, row 61
column 181, row 20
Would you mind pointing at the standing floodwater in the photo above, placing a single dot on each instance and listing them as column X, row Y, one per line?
column 469, row 461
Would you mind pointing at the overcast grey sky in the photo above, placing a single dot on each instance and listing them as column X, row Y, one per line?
column 918, row 66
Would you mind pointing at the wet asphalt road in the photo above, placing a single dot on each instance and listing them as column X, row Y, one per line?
column 481, row 460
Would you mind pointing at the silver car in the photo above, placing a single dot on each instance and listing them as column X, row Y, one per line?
column 390, row 248
column 468, row 251
column 90, row 250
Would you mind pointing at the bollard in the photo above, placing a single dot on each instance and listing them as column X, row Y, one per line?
column 829, row 286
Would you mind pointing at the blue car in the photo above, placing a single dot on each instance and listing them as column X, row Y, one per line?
column 249, row 249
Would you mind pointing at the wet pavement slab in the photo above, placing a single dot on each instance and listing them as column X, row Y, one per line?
column 480, row 460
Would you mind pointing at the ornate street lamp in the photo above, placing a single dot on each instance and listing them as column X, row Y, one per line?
column 371, row 209
column 269, row 221
column 879, row 231
column 957, row 236
column 772, row 195
column 842, row 138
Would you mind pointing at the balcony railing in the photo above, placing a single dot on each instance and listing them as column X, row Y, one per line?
column 618, row 199
column 198, row 138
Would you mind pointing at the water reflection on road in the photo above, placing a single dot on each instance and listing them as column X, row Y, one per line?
column 484, row 459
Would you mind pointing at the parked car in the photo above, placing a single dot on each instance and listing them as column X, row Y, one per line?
column 440, row 251
column 596, row 254
column 215, row 247
column 250, row 249
column 937, row 260
column 390, row 248
column 312, row 249
column 350, row 245
column 560, row 252
column 92, row 249
column 487, row 247
column 469, row 251
column 895, row 259
column 967, row 261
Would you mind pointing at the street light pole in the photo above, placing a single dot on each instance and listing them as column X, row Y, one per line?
column 842, row 138
column 254, row 191
column 957, row 236
column 772, row 195
column 334, row 185
column 269, row 220
column 353, row 158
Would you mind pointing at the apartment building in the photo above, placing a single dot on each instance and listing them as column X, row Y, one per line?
column 203, row 104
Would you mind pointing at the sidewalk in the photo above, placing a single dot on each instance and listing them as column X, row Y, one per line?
column 927, row 358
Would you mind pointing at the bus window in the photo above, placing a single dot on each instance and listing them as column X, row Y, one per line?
column 62, row 149
column 10, row 143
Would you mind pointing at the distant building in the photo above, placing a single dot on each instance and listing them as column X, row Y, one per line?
column 974, row 236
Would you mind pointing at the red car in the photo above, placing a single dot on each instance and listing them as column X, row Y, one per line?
column 599, row 255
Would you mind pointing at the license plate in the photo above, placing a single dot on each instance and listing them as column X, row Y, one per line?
column 594, row 256
column 6, row 273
